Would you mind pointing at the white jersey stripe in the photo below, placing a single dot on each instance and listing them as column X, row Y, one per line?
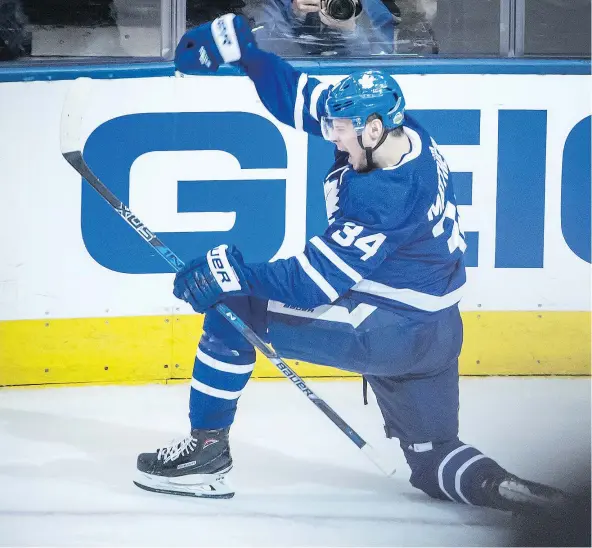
column 314, row 99
column 415, row 151
column 214, row 392
column 222, row 366
column 317, row 278
column 325, row 312
column 335, row 259
column 299, row 102
column 417, row 299
column 335, row 171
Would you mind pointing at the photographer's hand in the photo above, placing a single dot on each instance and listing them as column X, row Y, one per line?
column 302, row 7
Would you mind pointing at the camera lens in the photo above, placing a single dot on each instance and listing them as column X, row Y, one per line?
column 341, row 9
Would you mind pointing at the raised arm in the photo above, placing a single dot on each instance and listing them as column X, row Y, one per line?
column 291, row 96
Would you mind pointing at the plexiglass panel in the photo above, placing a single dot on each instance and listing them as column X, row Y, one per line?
column 557, row 27
column 361, row 28
column 80, row 28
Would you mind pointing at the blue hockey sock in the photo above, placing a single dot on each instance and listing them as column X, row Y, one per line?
column 219, row 376
column 451, row 471
column 460, row 473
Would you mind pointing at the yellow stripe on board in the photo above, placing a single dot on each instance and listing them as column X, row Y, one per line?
column 161, row 348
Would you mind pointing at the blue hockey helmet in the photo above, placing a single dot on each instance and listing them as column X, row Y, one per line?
column 362, row 94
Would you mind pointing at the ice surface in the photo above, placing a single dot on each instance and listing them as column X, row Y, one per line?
column 67, row 458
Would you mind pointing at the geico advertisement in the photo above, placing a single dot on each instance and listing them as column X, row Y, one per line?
column 201, row 162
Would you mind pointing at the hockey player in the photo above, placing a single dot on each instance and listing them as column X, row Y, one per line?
column 377, row 293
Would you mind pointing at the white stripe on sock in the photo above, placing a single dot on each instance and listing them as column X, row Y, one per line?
column 444, row 462
column 222, row 366
column 214, row 392
column 459, row 473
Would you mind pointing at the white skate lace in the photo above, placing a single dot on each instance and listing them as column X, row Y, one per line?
column 176, row 448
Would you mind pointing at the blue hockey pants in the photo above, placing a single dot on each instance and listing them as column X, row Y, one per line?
column 411, row 365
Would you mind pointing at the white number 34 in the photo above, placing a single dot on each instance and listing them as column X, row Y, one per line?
column 348, row 235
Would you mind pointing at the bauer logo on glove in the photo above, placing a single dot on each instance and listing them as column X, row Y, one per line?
column 208, row 280
column 223, row 272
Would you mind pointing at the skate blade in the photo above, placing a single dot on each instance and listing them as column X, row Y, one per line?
column 523, row 495
column 207, row 486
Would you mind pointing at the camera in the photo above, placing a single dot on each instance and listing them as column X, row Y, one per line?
column 341, row 10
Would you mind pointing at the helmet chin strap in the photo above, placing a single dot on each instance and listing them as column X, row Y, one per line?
column 370, row 165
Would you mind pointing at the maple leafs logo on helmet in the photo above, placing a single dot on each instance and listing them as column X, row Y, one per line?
column 367, row 81
column 364, row 93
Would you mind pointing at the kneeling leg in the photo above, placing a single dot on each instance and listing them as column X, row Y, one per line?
column 422, row 412
column 451, row 470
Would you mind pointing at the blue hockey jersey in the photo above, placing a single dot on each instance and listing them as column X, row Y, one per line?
column 393, row 239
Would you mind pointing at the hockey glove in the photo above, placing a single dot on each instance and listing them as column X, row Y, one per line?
column 208, row 280
column 204, row 48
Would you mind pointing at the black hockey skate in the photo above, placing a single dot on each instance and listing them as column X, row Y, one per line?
column 195, row 466
column 520, row 496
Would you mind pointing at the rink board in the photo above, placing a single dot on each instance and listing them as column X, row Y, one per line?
column 161, row 349
column 84, row 300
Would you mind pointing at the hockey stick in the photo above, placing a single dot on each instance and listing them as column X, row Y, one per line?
column 72, row 115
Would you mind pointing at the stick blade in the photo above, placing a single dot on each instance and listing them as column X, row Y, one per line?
column 383, row 464
column 72, row 114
